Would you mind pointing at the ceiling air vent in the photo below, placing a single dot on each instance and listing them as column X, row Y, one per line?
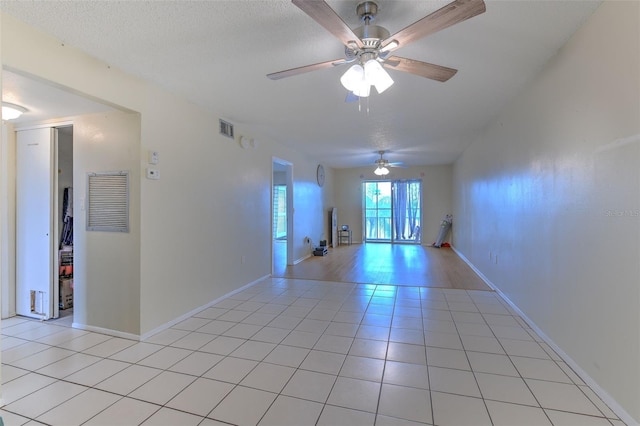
column 226, row 128
column 108, row 202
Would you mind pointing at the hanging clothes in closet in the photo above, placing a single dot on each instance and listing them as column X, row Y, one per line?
column 66, row 239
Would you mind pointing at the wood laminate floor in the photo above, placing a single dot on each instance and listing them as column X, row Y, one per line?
column 377, row 263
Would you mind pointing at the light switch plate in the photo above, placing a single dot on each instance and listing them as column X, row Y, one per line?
column 154, row 157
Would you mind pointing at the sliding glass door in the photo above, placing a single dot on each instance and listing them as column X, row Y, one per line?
column 377, row 208
column 392, row 211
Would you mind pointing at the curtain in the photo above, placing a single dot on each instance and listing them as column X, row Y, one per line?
column 406, row 208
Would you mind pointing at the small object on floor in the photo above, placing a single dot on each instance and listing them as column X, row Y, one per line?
column 320, row 251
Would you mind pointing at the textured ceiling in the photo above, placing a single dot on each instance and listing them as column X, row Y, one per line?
column 217, row 53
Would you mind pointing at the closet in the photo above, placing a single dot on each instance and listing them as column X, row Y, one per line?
column 44, row 221
column 65, row 219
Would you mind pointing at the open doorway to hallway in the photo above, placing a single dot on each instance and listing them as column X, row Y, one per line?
column 281, row 212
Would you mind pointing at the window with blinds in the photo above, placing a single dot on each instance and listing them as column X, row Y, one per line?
column 108, row 202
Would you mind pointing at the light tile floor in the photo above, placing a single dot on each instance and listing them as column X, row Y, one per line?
column 297, row 352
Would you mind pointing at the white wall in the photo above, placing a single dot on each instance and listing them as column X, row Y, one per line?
column 436, row 196
column 211, row 207
column 552, row 188
column 7, row 220
column 106, row 264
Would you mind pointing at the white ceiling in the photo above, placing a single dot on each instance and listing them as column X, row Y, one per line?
column 217, row 54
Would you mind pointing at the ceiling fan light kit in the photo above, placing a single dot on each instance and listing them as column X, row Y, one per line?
column 12, row 111
column 381, row 171
column 370, row 46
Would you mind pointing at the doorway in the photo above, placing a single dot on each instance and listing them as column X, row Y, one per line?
column 392, row 211
column 44, row 221
column 281, row 215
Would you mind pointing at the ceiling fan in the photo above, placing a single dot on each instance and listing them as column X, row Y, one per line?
column 370, row 46
column 383, row 165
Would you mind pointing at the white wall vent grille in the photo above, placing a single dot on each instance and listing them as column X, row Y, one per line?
column 108, row 202
column 226, row 128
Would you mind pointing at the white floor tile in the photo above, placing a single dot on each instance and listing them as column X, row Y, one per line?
column 191, row 324
column 124, row 412
column 457, row 410
column 193, row 341
column 268, row 377
column 404, row 374
column 369, row 348
column 13, row 419
column 196, row 364
column 109, row 347
column 405, row 403
column 448, row 358
column 560, row 418
column 243, row 406
column 414, row 354
column 216, row 327
column 562, row 396
column 453, row 381
column 301, row 339
column 136, row 352
column 162, row 387
column 42, row 358
column 482, row 344
column 337, row 344
column 256, row 351
column 505, row 389
column 310, row 385
column 288, row 411
column 129, row 379
column 10, row 373
column 168, row 417
column 541, row 369
column 201, row 396
column 23, row 386
column 165, row 358
column 231, row 370
column 442, row 340
column 95, row 373
column 506, row 414
column 356, row 394
column 167, row 337
column 299, row 352
column 84, row 342
column 69, row 365
column 222, row 345
column 491, row 363
column 363, row 368
column 332, row 416
column 323, row 362
column 45, row 399
column 79, row 409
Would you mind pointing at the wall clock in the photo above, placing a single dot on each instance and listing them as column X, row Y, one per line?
column 320, row 175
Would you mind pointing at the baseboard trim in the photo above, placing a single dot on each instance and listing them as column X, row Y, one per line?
column 191, row 313
column 106, row 331
column 584, row 376
column 302, row 259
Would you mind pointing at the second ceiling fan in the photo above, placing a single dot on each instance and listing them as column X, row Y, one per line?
column 370, row 46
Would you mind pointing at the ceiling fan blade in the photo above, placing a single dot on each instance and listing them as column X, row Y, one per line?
column 398, row 164
column 307, row 68
column 423, row 69
column 451, row 14
column 324, row 15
